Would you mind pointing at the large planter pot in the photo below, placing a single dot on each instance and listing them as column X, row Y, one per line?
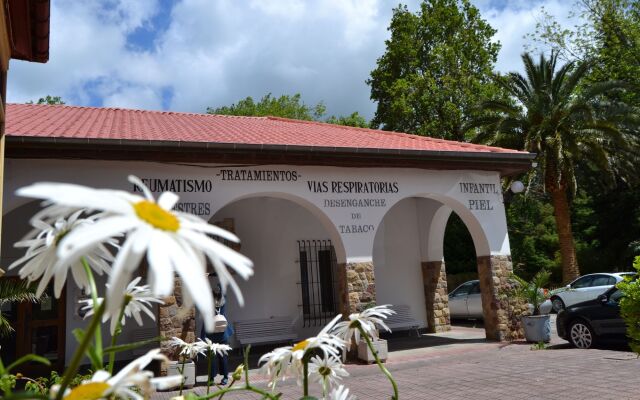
column 537, row 328
column 365, row 354
column 189, row 372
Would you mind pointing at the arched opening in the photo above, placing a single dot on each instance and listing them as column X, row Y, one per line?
column 410, row 267
column 297, row 254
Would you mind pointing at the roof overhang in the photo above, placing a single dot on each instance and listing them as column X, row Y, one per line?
column 28, row 28
column 198, row 152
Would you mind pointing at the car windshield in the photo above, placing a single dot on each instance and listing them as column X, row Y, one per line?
column 462, row 289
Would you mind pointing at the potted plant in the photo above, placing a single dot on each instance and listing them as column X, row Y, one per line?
column 536, row 326
column 380, row 345
column 365, row 354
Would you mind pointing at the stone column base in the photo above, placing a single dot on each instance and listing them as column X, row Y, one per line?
column 501, row 314
column 360, row 287
column 175, row 320
column 434, row 278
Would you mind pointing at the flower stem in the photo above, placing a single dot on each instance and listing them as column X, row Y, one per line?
column 94, row 297
column 249, row 388
column 116, row 333
column 184, row 359
column 305, row 372
column 70, row 373
column 382, row 367
column 209, row 379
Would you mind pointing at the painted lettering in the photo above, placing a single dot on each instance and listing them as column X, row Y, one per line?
column 479, row 188
column 348, row 229
column 480, row 205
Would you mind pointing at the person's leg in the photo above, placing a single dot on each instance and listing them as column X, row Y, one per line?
column 214, row 368
column 224, row 369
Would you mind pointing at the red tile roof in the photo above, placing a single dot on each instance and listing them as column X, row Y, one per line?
column 44, row 121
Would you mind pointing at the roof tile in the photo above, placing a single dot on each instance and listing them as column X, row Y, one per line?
column 61, row 121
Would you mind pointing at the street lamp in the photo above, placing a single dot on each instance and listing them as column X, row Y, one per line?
column 517, row 187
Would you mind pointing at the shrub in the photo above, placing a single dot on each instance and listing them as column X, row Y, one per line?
column 630, row 307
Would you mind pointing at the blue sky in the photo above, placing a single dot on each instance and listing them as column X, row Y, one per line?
column 190, row 54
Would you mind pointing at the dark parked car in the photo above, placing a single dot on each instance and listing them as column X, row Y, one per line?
column 584, row 324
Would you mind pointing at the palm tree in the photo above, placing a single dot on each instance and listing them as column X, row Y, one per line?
column 12, row 291
column 557, row 115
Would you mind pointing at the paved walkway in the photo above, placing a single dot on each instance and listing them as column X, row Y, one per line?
column 460, row 365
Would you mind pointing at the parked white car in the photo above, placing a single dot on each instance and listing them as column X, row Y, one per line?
column 465, row 301
column 585, row 288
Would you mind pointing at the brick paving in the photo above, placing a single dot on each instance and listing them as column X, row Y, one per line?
column 459, row 365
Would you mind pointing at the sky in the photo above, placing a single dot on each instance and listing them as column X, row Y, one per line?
column 187, row 55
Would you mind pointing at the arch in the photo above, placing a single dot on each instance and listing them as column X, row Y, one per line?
column 439, row 222
column 326, row 222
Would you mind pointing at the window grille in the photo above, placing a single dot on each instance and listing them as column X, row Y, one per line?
column 318, row 267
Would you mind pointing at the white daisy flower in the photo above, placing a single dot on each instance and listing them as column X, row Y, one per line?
column 174, row 242
column 138, row 300
column 367, row 320
column 278, row 364
column 187, row 350
column 41, row 261
column 341, row 393
column 287, row 361
column 327, row 371
column 328, row 343
column 215, row 348
column 123, row 385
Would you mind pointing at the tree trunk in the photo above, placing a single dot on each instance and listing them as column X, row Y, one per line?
column 570, row 269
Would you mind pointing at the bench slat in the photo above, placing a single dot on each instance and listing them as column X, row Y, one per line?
column 263, row 331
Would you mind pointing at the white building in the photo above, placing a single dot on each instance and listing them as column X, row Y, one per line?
column 333, row 217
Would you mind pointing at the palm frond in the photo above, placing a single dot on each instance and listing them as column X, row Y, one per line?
column 17, row 292
column 5, row 327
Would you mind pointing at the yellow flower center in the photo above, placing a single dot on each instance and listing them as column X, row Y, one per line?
column 88, row 391
column 300, row 345
column 156, row 216
column 324, row 371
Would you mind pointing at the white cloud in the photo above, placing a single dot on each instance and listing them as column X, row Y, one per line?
column 517, row 20
column 213, row 53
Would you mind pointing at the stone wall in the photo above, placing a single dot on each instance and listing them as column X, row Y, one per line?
column 360, row 286
column 175, row 320
column 434, row 278
column 501, row 314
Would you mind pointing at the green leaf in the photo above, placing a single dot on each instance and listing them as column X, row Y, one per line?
column 131, row 346
column 25, row 359
column 94, row 357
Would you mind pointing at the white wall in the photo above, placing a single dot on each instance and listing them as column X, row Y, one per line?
column 269, row 229
column 396, row 259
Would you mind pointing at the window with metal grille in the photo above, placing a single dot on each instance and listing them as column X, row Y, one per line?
column 317, row 260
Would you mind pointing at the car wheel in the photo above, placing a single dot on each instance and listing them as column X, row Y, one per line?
column 581, row 335
column 557, row 304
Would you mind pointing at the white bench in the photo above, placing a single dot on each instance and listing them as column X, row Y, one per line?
column 402, row 320
column 265, row 331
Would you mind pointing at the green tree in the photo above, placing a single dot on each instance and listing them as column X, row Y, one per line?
column 355, row 119
column 548, row 115
column 284, row 106
column 608, row 32
column 50, row 100
column 287, row 106
column 437, row 66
